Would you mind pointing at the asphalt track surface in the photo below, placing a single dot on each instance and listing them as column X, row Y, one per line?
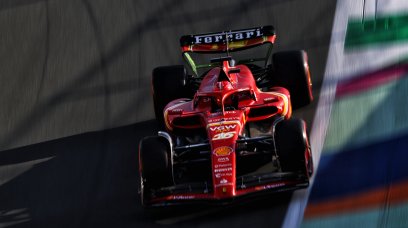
column 75, row 101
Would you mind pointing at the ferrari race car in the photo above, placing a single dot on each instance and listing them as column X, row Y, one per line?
column 227, row 126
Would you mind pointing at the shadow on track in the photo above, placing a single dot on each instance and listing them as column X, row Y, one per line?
column 92, row 180
column 72, row 181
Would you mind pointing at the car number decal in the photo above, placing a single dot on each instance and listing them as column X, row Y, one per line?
column 223, row 135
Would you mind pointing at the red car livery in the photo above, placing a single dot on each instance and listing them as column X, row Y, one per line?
column 227, row 126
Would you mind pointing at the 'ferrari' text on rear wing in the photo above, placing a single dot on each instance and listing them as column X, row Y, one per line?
column 227, row 40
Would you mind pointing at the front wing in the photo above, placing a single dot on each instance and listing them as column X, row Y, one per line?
column 246, row 186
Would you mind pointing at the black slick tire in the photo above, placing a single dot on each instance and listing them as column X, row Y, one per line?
column 291, row 71
column 168, row 83
column 155, row 166
column 292, row 145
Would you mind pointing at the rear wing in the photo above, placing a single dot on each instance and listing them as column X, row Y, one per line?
column 227, row 41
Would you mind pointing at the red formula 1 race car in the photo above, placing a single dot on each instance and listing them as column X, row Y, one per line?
column 227, row 127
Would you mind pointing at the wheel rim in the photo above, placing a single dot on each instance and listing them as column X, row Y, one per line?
column 142, row 191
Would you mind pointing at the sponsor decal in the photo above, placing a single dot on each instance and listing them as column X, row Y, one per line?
column 273, row 185
column 222, row 135
column 210, row 121
column 230, row 36
column 220, row 120
column 223, row 159
column 223, row 181
column 222, row 170
column 223, row 151
column 175, row 111
column 223, row 165
column 183, row 197
column 223, row 128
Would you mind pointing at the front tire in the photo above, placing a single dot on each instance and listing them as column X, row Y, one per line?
column 154, row 165
column 293, row 146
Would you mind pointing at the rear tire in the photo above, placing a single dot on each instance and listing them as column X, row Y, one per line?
column 291, row 71
column 292, row 145
column 155, row 166
column 168, row 83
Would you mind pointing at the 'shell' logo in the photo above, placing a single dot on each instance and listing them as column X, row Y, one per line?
column 223, row 151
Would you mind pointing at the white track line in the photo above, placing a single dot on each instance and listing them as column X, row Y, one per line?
column 294, row 214
column 342, row 65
